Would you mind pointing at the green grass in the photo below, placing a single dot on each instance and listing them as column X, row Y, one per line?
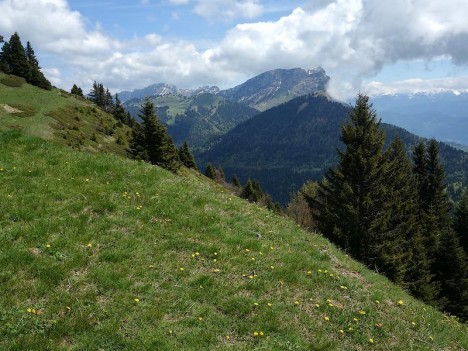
column 58, row 116
column 102, row 253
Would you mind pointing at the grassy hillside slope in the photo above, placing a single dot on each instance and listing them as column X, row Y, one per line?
column 59, row 116
column 102, row 253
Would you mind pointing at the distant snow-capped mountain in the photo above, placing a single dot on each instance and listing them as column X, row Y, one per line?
column 442, row 115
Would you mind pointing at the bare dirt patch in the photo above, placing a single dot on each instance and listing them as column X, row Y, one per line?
column 10, row 109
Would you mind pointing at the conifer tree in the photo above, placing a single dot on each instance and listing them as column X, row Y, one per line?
column 16, row 58
column 137, row 147
column 119, row 112
column 75, row 90
column 220, row 177
column 35, row 76
column 186, row 156
column 350, row 201
column 399, row 218
column 4, row 67
column 150, row 141
column 159, row 145
column 460, row 224
column 235, row 181
column 210, row 171
column 452, row 275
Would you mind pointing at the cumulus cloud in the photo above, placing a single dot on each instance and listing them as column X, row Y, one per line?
column 228, row 9
column 410, row 86
column 351, row 39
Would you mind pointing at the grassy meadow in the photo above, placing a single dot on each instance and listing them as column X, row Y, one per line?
column 103, row 253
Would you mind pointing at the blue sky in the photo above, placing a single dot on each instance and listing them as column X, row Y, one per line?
column 373, row 46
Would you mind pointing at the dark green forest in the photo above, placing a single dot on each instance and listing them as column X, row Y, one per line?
column 288, row 145
column 393, row 213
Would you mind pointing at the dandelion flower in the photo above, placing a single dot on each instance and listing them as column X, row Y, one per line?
column 413, row 323
column 343, row 287
column 200, row 318
column 261, row 333
column 341, row 331
column 326, row 318
column 89, row 245
column 182, row 269
column 29, row 310
column 309, row 272
column 269, row 304
column 253, row 258
column 362, row 312
column 136, row 299
column 355, row 320
column 296, row 302
column 371, row 340
column 255, row 333
column 400, row 302
column 48, row 246
column 377, row 302
column 247, row 250
column 228, row 337
column 255, row 303
column 317, row 305
column 272, row 267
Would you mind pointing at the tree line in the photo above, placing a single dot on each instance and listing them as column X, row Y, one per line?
column 393, row 213
column 22, row 62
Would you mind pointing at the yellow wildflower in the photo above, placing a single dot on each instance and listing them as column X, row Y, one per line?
column 362, row 312
column 182, row 269
column 136, row 299
column 269, row 304
column 400, row 302
column 326, row 318
column 255, row 333
column 371, row 340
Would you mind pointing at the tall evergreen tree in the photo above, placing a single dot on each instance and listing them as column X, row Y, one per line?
column 16, row 58
column 186, row 156
column 4, row 54
column 350, row 201
column 159, row 145
column 35, row 76
column 137, row 149
column 210, row 171
column 119, row 112
column 399, row 218
column 235, row 181
column 76, row 90
column 461, row 220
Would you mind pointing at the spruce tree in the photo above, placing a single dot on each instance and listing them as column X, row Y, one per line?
column 75, row 90
column 159, row 145
column 460, row 224
column 210, row 171
column 137, row 149
column 452, row 275
column 235, row 181
column 4, row 54
column 186, row 156
column 119, row 112
column 349, row 206
column 35, row 76
column 16, row 58
column 399, row 218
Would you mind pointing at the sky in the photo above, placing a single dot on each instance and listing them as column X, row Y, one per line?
column 370, row 46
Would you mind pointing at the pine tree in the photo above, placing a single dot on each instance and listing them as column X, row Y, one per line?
column 399, row 218
column 159, row 145
column 4, row 54
column 235, row 181
column 137, row 147
column 210, row 171
column 75, row 90
column 460, row 224
column 119, row 112
column 350, row 201
column 452, row 274
column 186, row 156
column 35, row 76
column 16, row 58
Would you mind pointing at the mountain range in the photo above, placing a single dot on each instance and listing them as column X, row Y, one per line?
column 294, row 142
column 443, row 115
column 201, row 116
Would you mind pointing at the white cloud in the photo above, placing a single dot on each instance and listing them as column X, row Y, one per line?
column 411, row 86
column 351, row 39
column 227, row 10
